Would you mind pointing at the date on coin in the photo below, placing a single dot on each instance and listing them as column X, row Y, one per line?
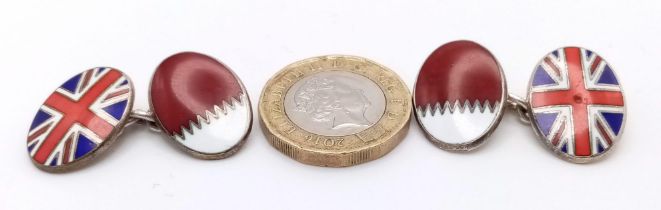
column 335, row 111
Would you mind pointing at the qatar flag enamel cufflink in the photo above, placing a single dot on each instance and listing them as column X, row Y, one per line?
column 575, row 103
column 201, row 104
column 459, row 94
column 195, row 99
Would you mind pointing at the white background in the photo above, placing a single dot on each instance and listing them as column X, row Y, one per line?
column 44, row 43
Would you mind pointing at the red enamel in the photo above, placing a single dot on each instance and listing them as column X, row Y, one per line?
column 459, row 70
column 188, row 84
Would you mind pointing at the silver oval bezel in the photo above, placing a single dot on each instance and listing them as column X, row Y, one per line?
column 477, row 142
column 545, row 141
column 197, row 154
column 107, row 143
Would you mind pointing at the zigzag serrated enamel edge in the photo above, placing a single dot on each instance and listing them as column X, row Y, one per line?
column 210, row 116
column 448, row 123
column 201, row 104
column 438, row 109
column 211, row 134
column 458, row 95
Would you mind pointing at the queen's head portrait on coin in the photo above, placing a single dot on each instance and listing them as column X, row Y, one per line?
column 335, row 110
column 335, row 103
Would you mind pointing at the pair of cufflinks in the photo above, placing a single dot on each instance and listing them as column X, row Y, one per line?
column 195, row 99
column 574, row 103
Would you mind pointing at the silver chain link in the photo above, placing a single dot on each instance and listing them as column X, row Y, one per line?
column 520, row 106
column 144, row 117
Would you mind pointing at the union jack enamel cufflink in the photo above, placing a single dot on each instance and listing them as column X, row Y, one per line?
column 575, row 103
column 81, row 119
column 195, row 99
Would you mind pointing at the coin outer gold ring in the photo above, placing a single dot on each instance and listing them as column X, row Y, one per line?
column 335, row 151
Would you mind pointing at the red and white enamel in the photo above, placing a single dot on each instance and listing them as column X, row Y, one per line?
column 189, row 92
column 459, row 71
column 458, row 92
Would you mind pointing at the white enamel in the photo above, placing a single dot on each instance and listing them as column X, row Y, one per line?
column 457, row 126
column 220, row 130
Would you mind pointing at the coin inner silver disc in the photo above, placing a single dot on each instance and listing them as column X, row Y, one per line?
column 335, row 103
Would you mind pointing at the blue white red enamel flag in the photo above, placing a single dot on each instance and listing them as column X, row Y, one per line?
column 79, row 116
column 577, row 102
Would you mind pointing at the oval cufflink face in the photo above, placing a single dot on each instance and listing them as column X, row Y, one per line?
column 458, row 96
column 577, row 104
column 80, row 120
column 201, row 104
